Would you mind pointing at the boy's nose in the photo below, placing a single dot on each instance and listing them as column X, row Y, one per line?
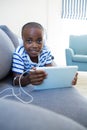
column 34, row 44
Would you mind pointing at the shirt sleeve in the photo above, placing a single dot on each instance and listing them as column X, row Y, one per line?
column 17, row 63
column 48, row 55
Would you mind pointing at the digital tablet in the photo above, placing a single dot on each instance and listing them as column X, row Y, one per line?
column 58, row 77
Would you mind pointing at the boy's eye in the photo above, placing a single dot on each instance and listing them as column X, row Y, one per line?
column 39, row 41
column 29, row 41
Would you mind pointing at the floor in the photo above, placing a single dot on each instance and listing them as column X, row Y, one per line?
column 82, row 83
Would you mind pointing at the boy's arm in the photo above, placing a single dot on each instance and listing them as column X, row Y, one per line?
column 52, row 64
column 24, row 80
column 35, row 77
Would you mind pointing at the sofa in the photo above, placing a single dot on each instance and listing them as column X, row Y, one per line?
column 53, row 109
column 76, row 53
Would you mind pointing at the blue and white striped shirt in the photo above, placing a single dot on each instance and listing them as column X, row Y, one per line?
column 22, row 62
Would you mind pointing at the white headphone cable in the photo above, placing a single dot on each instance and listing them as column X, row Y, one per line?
column 20, row 89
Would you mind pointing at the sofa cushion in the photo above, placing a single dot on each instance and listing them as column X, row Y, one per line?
column 6, row 50
column 79, row 58
column 18, row 116
column 11, row 35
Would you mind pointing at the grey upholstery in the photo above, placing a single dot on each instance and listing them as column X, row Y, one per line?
column 30, row 117
column 13, row 37
column 6, row 51
column 66, row 101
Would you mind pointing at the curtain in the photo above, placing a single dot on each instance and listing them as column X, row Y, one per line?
column 74, row 9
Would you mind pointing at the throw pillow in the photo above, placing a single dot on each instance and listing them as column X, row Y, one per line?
column 6, row 50
column 10, row 34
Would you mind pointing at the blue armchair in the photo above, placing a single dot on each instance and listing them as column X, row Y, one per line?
column 76, row 54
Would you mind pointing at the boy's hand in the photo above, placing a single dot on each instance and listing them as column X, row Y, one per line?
column 75, row 79
column 36, row 77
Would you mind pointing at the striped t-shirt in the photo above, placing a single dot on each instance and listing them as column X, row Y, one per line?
column 22, row 62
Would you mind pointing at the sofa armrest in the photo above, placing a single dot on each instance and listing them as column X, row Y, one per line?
column 69, row 53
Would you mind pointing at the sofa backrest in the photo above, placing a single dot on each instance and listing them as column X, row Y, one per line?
column 13, row 37
column 9, row 41
column 6, row 51
column 78, row 44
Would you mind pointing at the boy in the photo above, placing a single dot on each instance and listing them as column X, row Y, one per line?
column 33, row 53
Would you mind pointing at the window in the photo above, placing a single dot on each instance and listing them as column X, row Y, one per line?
column 74, row 9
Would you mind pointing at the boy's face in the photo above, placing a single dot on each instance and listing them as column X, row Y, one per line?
column 33, row 41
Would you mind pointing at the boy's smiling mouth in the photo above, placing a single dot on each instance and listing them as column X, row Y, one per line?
column 34, row 52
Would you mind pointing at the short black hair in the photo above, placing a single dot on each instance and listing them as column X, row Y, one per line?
column 32, row 24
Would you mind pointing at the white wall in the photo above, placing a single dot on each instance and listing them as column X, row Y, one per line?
column 15, row 13
column 55, row 37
